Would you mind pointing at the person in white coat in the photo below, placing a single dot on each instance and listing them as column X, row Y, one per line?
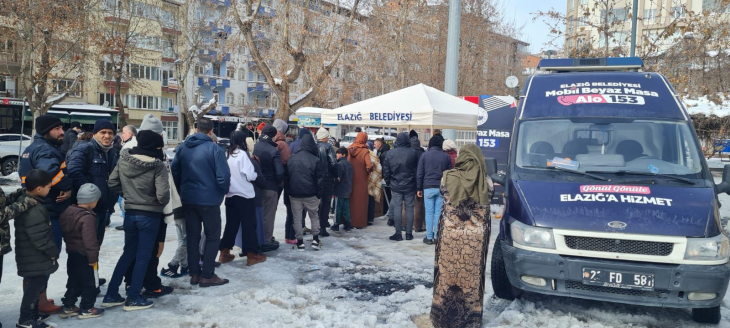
column 240, row 205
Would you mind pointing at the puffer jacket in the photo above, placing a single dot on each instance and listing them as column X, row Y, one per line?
column 144, row 182
column 11, row 208
column 35, row 250
column 399, row 170
column 69, row 138
column 200, row 171
column 79, row 232
column 431, row 168
column 326, row 155
column 305, row 172
column 90, row 164
column 44, row 155
column 271, row 165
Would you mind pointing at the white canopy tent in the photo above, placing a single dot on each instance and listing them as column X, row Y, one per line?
column 416, row 106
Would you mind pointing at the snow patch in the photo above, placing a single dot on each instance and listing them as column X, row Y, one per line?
column 56, row 98
column 277, row 81
column 702, row 105
column 301, row 96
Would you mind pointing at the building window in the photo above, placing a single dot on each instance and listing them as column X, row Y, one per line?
column 678, row 12
column 216, row 96
column 216, row 69
column 171, row 128
column 68, row 86
column 199, row 70
column 241, row 99
column 108, row 99
column 649, row 16
column 230, row 99
column 250, row 75
column 241, row 74
column 143, row 102
column 583, row 2
column 274, row 102
column 230, row 72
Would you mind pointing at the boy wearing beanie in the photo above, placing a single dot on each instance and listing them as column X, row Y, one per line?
column 78, row 223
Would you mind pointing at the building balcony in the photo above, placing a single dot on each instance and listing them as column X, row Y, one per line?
column 212, row 55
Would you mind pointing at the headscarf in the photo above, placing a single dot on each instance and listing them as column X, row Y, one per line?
column 449, row 145
column 468, row 179
column 359, row 145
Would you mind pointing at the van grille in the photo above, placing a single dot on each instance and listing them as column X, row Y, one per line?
column 619, row 246
column 577, row 286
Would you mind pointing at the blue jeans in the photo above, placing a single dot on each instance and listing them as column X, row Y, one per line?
column 121, row 208
column 140, row 234
column 433, row 201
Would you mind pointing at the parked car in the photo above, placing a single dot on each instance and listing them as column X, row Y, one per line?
column 9, row 137
column 9, row 157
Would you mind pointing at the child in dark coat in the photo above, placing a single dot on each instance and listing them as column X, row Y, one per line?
column 78, row 224
column 343, row 189
column 35, row 249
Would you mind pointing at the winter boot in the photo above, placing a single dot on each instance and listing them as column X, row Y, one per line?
column 46, row 306
column 409, row 236
column 194, row 280
column 253, row 258
column 226, row 256
column 391, row 222
column 335, row 227
column 69, row 311
column 90, row 313
column 323, row 232
column 348, row 228
column 213, row 281
column 396, row 237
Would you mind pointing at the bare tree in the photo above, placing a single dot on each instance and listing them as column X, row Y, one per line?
column 47, row 48
column 309, row 44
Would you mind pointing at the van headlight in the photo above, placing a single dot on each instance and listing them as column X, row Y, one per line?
column 707, row 249
column 532, row 236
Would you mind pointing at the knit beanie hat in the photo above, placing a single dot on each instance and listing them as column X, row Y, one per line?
column 412, row 134
column 322, row 133
column 88, row 193
column 436, row 141
column 280, row 125
column 76, row 124
column 103, row 124
column 449, row 145
column 152, row 123
column 45, row 123
column 269, row 131
column 149, row 143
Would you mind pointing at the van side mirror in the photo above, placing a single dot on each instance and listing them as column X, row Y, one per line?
column 492, row 170
column 724, row 186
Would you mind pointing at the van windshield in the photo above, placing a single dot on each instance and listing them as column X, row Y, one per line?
column 348, row 138
column 609, row 145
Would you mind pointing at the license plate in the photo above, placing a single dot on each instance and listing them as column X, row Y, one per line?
column 616, row 279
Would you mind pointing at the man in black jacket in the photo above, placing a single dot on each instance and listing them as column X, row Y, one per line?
column 328, row 160
column 72, row 134
column 431, row 168
column 399, row 172
column 304, row 178
column 273, row 170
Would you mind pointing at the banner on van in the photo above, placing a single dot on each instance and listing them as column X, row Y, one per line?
column 494, row 131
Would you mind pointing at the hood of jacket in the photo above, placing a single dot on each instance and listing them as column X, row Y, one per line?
column 415, row 143
column 197, row 140
column 303, row 132
column 279, row 136
column 403, row 140
column 308, row 145
column 136, row 165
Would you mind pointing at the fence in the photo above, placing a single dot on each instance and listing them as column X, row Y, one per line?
column 465, row 137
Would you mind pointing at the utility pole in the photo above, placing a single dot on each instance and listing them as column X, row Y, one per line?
column 634, row 13
column 451, row 82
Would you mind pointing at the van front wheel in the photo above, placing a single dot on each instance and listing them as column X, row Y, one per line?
column 500, row 282
column 706, row 315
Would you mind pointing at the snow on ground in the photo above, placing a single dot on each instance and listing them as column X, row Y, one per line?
column 702, row 105
column 359, row 279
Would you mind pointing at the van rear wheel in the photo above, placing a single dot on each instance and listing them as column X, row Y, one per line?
column 500, row 282
column 706, row 315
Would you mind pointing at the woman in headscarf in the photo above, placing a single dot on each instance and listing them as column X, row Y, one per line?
column 463, row 241
column 361, row 167
column 449, row 148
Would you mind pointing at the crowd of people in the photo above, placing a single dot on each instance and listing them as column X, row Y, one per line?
column 72, row 180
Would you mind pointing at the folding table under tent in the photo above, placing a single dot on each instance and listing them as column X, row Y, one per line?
column 416, row 106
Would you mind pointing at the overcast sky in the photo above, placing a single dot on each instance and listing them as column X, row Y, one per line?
column 533, row 32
